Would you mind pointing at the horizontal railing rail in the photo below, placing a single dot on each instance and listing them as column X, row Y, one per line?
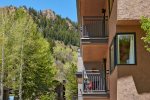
column 94, row 27
column 94, row 81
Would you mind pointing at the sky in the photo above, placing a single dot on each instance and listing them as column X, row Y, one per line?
column 65, row 8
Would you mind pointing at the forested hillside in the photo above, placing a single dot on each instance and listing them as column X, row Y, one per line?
column 38, row 53
column 54, row 27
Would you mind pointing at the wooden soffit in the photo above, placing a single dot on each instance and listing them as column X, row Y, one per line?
column 90, row 7
column 94, row 52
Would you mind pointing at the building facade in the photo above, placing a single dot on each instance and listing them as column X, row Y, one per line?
column 112, row 62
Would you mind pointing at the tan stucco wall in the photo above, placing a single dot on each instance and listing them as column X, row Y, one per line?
column 112, row 29
column 113, row 84
column 134, row 80
column 113, row 22
column 112, row 79
column 130, row 82
column 132, row 9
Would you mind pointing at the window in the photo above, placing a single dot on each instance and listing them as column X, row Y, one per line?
column 125, row 49
column 112, row 57
column 122, row 50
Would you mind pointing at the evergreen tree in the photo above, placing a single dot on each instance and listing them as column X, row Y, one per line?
column 57, row 29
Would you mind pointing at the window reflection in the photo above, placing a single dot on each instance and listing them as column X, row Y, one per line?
column 125, row 54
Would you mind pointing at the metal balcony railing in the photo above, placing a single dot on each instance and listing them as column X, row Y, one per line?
column 94, row 27
column 94, row 82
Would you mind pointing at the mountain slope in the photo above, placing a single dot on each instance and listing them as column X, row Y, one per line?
column 55, row 27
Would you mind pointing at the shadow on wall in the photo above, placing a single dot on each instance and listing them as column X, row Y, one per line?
column 142, row 78
column 92, row 65
column 141, row 71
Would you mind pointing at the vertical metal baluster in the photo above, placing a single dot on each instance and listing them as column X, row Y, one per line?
column 90, row 28
column 83, row 81
column 91, row 81
column 91, row 25
column 84, row 30
column 98, row 82
column 94, row 28
column 101, row 81
column 89, row 77
column 101, row 27
column 95, row 81
column 98, row 27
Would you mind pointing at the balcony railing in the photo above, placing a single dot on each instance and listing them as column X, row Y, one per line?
column 94, row 82
column 94, row 27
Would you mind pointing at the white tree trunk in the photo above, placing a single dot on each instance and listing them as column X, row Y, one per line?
column 21, row 67
column 2, row 71
column 2, row 68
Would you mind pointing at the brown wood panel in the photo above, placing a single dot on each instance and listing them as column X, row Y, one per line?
column 94, row 52
column 95, row 98
column 91, row 7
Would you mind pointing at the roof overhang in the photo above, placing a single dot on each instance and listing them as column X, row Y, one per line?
column 90, row 8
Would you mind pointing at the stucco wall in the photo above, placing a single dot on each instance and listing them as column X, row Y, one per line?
column 134, row 80
column 112, row 28
column 130, row 82
column 112, row 79
column 113, row 22
column 113, row 84
column 132, row 9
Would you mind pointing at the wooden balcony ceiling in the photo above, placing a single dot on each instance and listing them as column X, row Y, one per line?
column 94, row 52
column 90, row 7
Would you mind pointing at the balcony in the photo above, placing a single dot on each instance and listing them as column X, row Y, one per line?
column 94, row 82
column 94, row 28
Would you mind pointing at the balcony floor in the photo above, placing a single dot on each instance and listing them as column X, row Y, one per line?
column 94, row 40
column 99, row 94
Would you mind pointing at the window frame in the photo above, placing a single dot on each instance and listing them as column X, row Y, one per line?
column 125, row 33
column 114, row 42
column 112, row 67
